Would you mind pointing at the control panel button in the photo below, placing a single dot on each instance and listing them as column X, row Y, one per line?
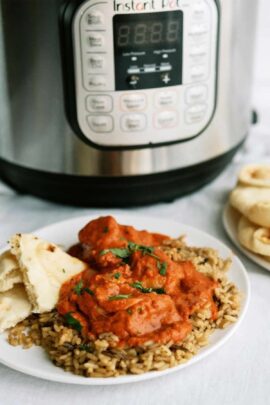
column 166, row 119
column 95, row 40
column 165, row 99
column 133, row 122
column 96, row 63
column 198, row 50
column 100, row 123
column 96, row 103
column 93, row 18
column 133, row 102
column 196, row 94
column 195, row 114
column 198, row 29
column 198, row 72
column 199, row 10
column 96, row 82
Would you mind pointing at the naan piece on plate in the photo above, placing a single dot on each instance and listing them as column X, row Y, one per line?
column 14, row 307
column 255, row 175
column 253, row 203
column 44, row 267
column 254, row 237
column 9, row 271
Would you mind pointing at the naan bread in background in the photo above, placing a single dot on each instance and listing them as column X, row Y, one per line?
column 255, row 176
column 253, row 203
column 9, row 271
column 14, row 307
column 253, row 237
column 44, row 267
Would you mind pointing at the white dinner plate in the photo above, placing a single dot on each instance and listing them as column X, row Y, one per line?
column 230, row 221
column 35, row 362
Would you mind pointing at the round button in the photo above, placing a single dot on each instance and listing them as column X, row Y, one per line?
column 196, row 94
column 166, row 99
column 199, row 10
column 198, row 29
column 198, row 72
column 96, row 82
column 97, row 103
column 133, row 102
column 166, row 119
column 100, row 123
column 198, row 50
column 195, row 114
column 133, row 122
column 95, row 40
column 93, row 18
column 96, row 63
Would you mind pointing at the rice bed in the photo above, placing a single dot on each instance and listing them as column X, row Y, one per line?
column 101, row 358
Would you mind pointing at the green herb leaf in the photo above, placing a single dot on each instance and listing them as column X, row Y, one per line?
column 118, row 252
column 124, row 253
column 105, row 229
column 117, row 276
column 162, row 268
column 73, row 322
column 119, row 297
column 78, row 288
column 129, row 311
column 88, row 291
column 146, row 290
column 159, row 290
column 63, row 270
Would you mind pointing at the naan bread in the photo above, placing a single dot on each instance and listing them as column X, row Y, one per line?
column 14, row 307
column 253, row 237
column 45, row 267
column 255, row 175
column 9, row 271
column 253, row 203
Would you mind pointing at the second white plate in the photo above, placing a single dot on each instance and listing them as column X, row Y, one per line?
column 230, row 219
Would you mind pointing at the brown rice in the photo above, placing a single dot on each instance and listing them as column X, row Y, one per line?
column 101, row 358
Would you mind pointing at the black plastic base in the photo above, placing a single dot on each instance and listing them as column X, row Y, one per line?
column 113, row 191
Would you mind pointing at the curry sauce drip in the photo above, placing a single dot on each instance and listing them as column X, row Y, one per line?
column 137, row 292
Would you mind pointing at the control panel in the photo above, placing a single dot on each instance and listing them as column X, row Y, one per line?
column 145, row 72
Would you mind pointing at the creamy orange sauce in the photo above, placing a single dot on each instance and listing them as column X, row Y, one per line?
column 142, row 297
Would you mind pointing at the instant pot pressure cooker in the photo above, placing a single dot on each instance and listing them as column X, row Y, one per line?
column 122, row 102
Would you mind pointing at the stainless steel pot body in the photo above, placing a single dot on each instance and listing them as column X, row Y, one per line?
column 34, row 131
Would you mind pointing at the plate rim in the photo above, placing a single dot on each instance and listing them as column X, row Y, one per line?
column 69, row 378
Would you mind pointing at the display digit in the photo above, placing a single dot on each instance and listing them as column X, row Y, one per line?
column 140, row 34
column 123, row 35
column 173, row 31
column 156, row 31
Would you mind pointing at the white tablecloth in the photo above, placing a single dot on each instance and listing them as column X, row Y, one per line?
column 239, row 372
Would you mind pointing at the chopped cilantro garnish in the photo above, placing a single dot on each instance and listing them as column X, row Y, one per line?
column 117, row 276
column 122, row 253
column 125, row 253
column 129, row 311
column 105, row 229
column 63, row 270
column 119, row 297
column 88, row 291
column 146, row 290
column 162, row 268
column 78, row 288
column 73, row 322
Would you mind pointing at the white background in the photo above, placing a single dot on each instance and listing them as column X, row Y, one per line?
column 239, row 373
